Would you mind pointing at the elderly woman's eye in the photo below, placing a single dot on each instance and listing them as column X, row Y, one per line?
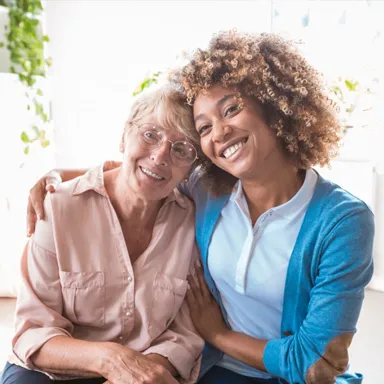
column 151, row 136
column 180, row 152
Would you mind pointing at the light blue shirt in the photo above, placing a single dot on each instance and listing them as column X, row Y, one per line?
column 330, row 265
column 249, row 265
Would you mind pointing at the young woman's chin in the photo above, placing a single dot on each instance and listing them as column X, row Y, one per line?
column 240, row 168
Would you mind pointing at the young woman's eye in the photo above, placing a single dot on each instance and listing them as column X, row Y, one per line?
column 203, row 129
column 231, row 109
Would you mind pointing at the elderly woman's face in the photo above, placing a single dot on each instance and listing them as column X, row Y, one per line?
column 235, row 137
column 150, row 170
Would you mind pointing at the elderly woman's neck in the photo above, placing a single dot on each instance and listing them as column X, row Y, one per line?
column 128, row 205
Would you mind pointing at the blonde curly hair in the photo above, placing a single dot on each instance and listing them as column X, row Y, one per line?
column 290, row 91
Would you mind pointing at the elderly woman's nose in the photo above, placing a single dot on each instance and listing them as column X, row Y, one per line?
column 161, row 154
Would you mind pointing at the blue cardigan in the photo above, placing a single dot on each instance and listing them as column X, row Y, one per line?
column 330, row 266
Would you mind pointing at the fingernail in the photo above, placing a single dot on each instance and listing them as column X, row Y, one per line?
column 38, row 216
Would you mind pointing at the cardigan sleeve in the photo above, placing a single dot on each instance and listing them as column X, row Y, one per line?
column 317, row 352
column 191, row 187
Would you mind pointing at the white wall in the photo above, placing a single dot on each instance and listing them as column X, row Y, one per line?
column 103, row 49
column 18, row 174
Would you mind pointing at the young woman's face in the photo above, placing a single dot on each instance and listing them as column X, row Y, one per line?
column 235, row 136
column 149, row 170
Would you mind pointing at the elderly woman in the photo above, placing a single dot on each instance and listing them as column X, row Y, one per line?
column 286, row 253
column 105, row 275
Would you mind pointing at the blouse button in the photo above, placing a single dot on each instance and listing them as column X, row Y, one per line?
column 129, row 314
column 120, row 337
column 129, row 279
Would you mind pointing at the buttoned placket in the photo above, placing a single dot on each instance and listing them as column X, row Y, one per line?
column 254, row 234
column 128, row 305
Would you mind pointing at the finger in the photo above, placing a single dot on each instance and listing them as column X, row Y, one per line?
column 37, row 196
column 31, row 218
column 202, row 284
column 191, row 301
column 195, row 289
column 110, row 164
column 50, row 188
column 52, row 180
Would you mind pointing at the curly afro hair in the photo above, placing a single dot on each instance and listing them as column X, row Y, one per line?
column 290, row 91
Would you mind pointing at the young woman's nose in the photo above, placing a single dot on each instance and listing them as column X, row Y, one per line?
column 221, row 131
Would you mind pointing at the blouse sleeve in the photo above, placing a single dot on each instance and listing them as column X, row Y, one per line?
column 39, row 309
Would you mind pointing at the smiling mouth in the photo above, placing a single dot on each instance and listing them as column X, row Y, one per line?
column 151, row 174
column 230, row 151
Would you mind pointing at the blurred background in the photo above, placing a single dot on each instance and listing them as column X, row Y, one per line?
column 69, row 69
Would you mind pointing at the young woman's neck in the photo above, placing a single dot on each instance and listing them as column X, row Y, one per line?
column 272, row 188
column 128, row 205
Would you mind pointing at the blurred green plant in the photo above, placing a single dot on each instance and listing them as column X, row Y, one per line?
column 146, row 83
column 26, row 47
column 349, row 94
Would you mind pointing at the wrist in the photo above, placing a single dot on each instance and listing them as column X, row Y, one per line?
column 105, row 356
column 218, row 339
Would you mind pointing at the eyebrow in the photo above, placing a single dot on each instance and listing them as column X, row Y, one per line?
column 218, row 104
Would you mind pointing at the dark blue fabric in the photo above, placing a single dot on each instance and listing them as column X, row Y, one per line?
column 13, row 374
column 219, row 375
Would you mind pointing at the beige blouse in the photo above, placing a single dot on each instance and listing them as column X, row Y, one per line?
column 78, row 280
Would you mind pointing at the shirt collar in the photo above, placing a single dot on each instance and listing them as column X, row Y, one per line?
column 289, row 209
column 93, row 180
column 301, row 198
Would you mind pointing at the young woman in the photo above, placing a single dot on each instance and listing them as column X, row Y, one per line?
column 286, row 254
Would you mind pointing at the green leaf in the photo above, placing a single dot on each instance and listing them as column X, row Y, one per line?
column 2, row 44
column 26, row 51
column 352, row 86
column 36, row 130
column 45, row 143
column 24, row 137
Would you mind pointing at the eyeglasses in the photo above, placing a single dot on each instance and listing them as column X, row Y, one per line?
column 182, row 153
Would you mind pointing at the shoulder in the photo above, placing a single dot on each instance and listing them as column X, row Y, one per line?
column 55, row 208
column 194, row 188
column 332, row 203
column 341, row 226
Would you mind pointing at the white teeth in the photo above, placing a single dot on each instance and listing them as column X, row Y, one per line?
column 233, row 149
column 149, row 173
